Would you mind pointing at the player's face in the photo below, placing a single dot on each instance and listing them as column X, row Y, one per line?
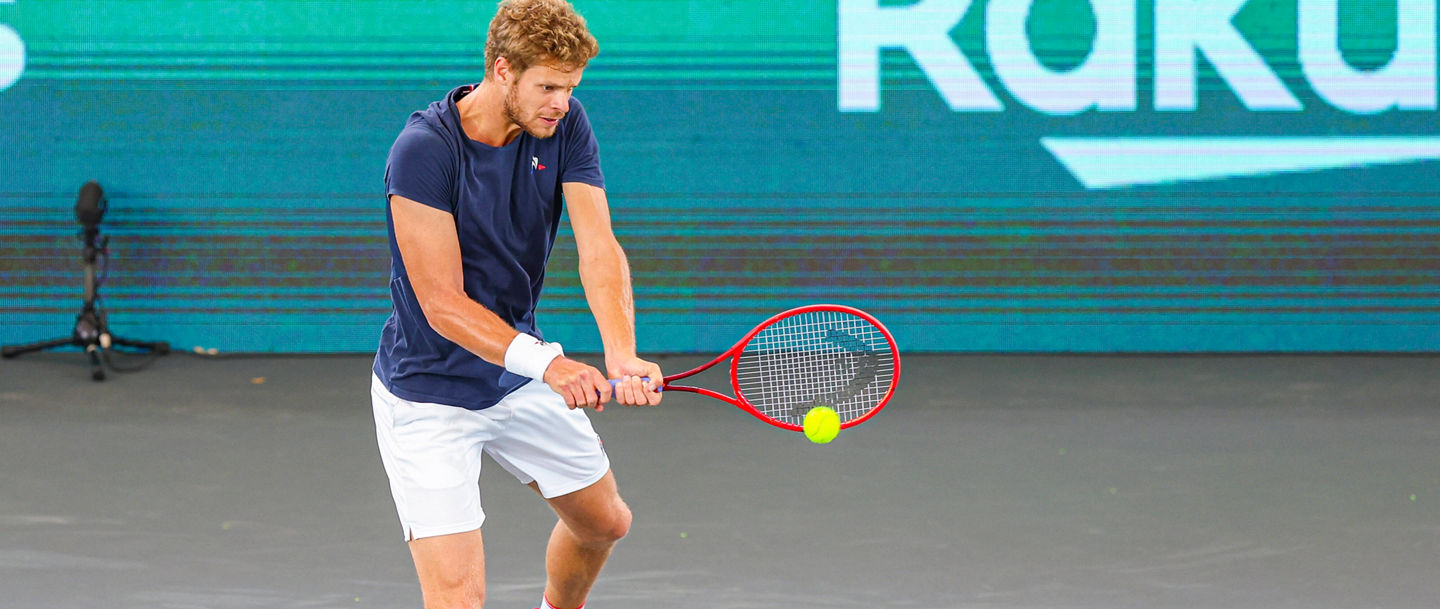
column 539, row 97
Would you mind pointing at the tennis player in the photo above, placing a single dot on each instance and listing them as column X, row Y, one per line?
column 475, row 184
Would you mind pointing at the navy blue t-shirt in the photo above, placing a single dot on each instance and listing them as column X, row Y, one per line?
column 506, row 203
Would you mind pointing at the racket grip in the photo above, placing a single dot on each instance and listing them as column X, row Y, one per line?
column 614, row 382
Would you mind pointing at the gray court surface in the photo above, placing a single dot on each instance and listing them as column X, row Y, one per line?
column 1038, row 482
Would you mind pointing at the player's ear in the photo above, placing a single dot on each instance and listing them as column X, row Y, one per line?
column 503, row 70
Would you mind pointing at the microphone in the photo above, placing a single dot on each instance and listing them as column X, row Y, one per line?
column 90, row 205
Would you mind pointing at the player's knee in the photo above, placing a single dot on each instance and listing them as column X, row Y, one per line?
column 620, row 527
column 610, row 528
column 457, row 594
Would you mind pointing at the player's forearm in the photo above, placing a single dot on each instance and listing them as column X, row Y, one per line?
column 605, row 275
column 469, row 324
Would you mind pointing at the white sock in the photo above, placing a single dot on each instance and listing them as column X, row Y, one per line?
column 545, row 604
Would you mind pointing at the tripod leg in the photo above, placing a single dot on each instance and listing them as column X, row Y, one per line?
column 159, row 347
column 10, row 351
column 97, row 368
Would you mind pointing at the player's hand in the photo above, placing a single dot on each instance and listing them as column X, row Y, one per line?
column 631, row 391
column 582, row 385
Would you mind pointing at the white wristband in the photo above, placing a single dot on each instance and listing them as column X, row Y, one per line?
column 528, row 356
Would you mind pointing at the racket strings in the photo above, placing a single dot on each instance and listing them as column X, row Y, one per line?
column 818, row 358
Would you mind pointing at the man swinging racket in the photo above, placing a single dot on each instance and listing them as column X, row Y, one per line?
column 475, row 185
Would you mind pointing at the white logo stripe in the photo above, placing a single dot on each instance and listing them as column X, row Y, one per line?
column 1114, row 162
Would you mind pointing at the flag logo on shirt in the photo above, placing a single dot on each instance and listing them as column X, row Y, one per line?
column 535, row 164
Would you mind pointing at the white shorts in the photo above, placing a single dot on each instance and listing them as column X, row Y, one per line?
column 432, row 453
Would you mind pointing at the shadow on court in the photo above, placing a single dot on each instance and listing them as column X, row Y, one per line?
column 1042, row 482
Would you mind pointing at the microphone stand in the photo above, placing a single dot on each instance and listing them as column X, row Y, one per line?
column 92, row 331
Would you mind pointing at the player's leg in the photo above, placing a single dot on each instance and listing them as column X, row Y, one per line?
column 451, row 570
column 556, row 451
column 432, row 455
column 591, row 521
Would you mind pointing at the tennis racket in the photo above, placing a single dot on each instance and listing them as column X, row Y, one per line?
column 815, row 355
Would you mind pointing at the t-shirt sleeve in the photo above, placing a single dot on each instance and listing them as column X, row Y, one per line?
column 420, row 168
column 582, row 152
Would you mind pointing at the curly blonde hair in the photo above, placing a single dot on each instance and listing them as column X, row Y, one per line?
column 530, row 32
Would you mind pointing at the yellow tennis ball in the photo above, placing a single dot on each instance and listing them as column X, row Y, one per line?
column 821, row 424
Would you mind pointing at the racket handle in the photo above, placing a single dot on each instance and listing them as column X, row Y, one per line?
column 614, row 382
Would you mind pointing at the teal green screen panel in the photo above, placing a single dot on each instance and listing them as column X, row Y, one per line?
column 982, row 175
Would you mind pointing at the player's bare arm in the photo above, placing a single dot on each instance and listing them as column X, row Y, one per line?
column 430, row 249
column 605, row 275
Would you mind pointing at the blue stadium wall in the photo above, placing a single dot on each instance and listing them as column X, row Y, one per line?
column 1002, row 175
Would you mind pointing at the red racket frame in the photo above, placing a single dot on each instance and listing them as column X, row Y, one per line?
column 734, row 354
